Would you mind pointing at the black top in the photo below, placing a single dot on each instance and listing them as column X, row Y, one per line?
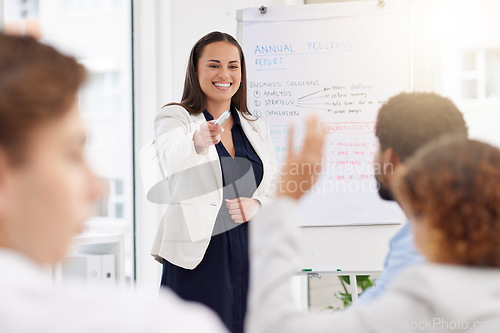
column 240, row 176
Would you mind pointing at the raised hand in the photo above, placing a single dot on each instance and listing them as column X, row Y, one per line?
column 302, row 168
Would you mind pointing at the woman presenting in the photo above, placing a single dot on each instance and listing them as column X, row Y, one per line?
column 219, row 174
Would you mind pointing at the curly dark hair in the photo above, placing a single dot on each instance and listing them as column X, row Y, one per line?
column 454, row 185
column 408, row 121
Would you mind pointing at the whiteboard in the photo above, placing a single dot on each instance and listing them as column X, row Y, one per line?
column 341, row 61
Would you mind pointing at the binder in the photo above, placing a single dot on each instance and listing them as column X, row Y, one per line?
column 83, row 269
column 90, row 270
column 108, row 270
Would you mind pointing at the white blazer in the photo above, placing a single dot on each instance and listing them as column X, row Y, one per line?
column 195, row 184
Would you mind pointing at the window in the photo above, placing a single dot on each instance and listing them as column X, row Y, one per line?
column 480, row 74
column 98, row 34
column 102, row 94
column 492, row 73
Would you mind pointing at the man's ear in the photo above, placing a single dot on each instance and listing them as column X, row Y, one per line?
column 390, row 161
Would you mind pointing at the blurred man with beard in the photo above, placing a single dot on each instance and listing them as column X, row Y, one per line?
column 404, row 124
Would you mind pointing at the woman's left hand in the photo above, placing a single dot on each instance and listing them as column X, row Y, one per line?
column 242, row 209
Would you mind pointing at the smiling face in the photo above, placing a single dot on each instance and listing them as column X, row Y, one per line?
column 45, row 199
column 219, row 74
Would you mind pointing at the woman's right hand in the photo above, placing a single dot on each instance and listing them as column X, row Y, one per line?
column 208, row 134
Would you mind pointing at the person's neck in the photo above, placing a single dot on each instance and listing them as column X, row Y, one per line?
column 216, row 109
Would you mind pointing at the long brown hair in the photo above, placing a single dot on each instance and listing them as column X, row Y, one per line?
column 193, row 98
column 37, row 85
